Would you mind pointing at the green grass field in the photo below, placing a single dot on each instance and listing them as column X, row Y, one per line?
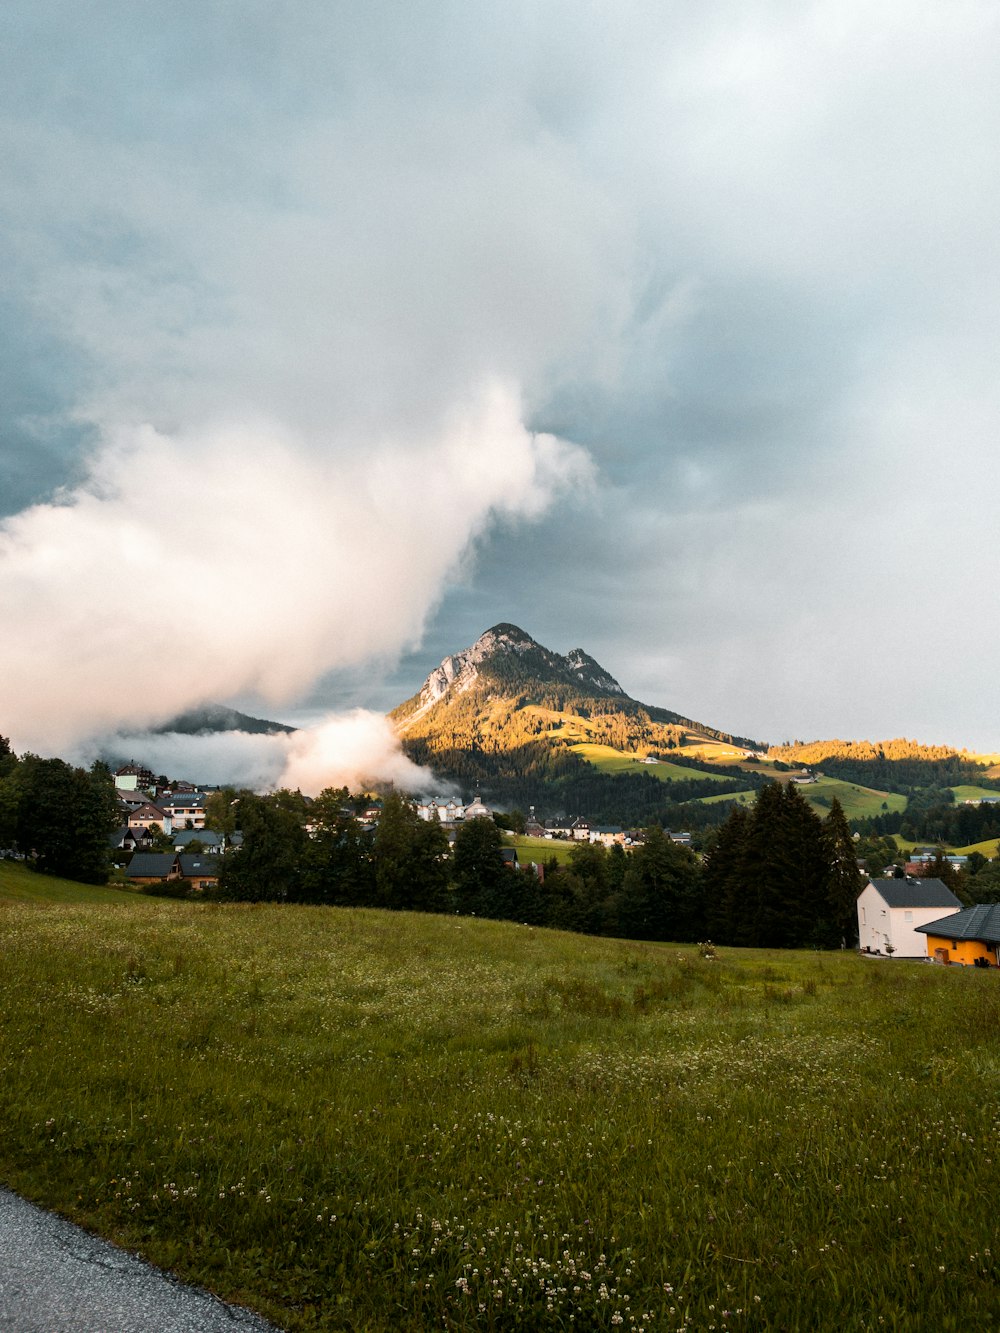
column 539, row 849
column 609, row 760
column 18, row 884
column 990, row 848
column 858, row 802
column 744, row 798
column 366, row 1121
column 969, row 793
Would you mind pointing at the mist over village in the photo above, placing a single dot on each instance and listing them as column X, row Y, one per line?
column 499, row 766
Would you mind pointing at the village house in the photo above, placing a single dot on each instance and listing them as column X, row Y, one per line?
column 919, row 860
column 133, row 777
column 149, row 816
column 970, row 937
column 131, row 800
column 211, row 842
column 125, row 839
column 891, row 912
column 148, row 867
column 607, row 834
column 185, row 809
column 445, row 812
column 200, row 871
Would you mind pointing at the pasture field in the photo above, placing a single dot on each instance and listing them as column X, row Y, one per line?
column 744, row 798
column 359, row 1120
column 19, row 884
column 711, row 750
column 539, row 849
column 971, row 793
column 610, row 760
column 990, row 848
column 858, row 802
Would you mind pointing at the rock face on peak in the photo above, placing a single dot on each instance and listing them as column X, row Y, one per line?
column 510, row 659
column 524, row 722
column 590, row 673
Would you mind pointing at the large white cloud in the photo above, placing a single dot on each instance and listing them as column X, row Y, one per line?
column 241, row 561
column 353, row 750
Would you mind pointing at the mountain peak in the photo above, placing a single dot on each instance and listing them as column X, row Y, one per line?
column 508, row 654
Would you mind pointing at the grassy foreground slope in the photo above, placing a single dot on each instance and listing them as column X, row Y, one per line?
column 355, row 1120
column 19, row 884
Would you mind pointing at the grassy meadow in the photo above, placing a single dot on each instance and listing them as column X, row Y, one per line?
column 609, row 760
column 858, row 802
column 973, row 793
column 19, row 884
column 358, row 1120
column 539, row 849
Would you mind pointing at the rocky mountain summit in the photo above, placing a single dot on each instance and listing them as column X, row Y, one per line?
column 512, row 659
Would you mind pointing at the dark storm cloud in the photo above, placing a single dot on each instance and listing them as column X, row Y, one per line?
column 742, row 254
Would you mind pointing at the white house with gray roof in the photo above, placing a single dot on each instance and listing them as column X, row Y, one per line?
column 891, row 910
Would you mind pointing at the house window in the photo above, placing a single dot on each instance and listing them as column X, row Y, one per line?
column 907, row 916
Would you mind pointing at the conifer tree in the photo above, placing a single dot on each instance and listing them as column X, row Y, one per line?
column 479, row 872
column 729, row 898
column 409, row 854
column 337, row 865
column 844, row 881
column 267, row 867
column 659, row 899
column 63, row 817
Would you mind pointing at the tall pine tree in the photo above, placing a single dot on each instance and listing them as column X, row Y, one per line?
column 844, row 882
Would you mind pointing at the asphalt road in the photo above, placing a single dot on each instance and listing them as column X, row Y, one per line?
column 55, row 1278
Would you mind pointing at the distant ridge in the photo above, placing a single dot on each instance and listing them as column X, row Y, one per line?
column 212, row 719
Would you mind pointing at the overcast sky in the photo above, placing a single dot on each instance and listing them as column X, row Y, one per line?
column 336, row 333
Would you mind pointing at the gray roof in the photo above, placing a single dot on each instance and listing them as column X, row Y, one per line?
column 915, row 893
column 197, row 864
column 151, row 865
column 973, row 923
column 205, row 836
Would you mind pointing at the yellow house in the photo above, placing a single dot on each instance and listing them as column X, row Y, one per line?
column 970, row 937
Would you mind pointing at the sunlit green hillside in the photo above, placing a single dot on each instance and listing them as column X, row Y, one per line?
column 610, row 760
column 358, row 1120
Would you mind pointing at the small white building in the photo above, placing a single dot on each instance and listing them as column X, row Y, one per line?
column 890, row 910
column 185, row 809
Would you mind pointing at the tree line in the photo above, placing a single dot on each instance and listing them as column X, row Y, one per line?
column 933, row 816
column 776, row 875
column 57, row 815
